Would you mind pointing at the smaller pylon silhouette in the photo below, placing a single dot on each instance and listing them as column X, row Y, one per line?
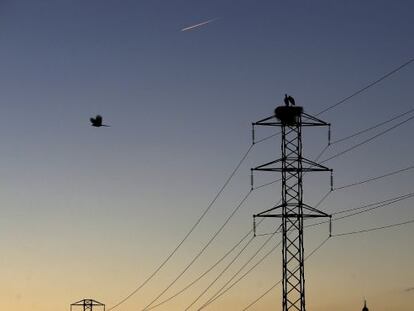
column 87, row 304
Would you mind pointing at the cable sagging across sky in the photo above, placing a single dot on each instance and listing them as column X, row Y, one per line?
column 280, row 281
column 371, row 206
column 334, row 235
column 207, row 271
column 266, row 138
column 375, row 228
column 201, row 251
column 225, row 289
column 359, row 91
column 188, row 233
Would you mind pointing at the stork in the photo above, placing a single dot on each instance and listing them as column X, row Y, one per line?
column 291, row 100
column 286, row 100
column 97, row 121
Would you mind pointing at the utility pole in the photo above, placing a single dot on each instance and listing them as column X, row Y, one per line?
column 87, row 304
column 291, row 119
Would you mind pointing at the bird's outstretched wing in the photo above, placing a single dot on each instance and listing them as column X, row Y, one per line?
column 97, row 121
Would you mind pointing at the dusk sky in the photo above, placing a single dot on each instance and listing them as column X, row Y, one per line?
column 92, row 212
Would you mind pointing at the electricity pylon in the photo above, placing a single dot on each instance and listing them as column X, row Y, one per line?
column 87, row 304
column 292, row 210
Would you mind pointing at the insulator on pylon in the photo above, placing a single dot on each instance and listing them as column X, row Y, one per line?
column 251, row 179
column 254, row 225
column 253, row 135
column 329, row 135
column 332, row 187
column 330, row 225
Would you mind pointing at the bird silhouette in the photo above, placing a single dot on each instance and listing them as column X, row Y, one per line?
column 286, row 100
column 291, row 100
column 97, row 121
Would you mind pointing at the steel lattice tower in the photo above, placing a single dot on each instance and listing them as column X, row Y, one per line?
column 87, row 304
column 292, row 210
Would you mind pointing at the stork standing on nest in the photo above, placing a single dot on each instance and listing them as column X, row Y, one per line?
column 289, row 99
column 286, row 100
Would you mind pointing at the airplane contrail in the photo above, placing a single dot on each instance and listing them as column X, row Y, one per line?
column 199, row 25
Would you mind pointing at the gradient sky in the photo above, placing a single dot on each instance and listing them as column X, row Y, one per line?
column 90, row 213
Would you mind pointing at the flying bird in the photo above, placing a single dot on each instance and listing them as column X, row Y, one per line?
column 198, row 25
column 97, row 121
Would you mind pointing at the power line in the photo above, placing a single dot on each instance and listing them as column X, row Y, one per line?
column 373, row 205
column 188, row 233
column 363, row 182
column 352, row 147
column 352, row 95
column 321, row 153
column 335, row 235
column 389, row 201
column 365, row 208
column 202, row 250
column 266, row 138
column 223, row 271
column 359, row 133
column 267, row 184
column 367, row 140
column 323, row 198
column 385, row 76
column 316, row 206
column 356, row 134
column 375, row 228
column 230, row 178
column 278, row 282
column 386, row 202
column 373, row 127
column 219, row 275
column 375, row 178
column 392, row 200
column 279, row 179
column 207, row 271
column 367, row 87
column 264, row 294
column 221, row 292
column 211, row 268
column 222, row 258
